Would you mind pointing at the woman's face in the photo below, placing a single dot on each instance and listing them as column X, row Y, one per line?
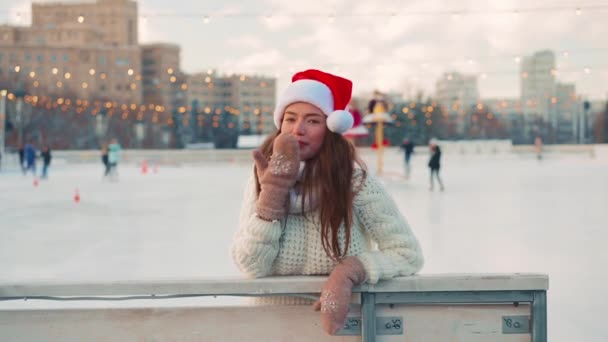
column 306, row 122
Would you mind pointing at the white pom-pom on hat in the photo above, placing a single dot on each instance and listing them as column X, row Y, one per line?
column 340, row 121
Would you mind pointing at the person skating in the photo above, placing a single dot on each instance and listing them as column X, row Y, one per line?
column 105, row 161
column 30, row 159
column 46, row 161
column 435, row 164
column 114, row 158
column 408, row 148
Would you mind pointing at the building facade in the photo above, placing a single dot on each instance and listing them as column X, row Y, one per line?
column 162, row 79
column 455, row 91
column 85, row 51
column 538, row 83
column 251, row 98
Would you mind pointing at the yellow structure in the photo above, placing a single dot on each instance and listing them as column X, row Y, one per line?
column 379, row 117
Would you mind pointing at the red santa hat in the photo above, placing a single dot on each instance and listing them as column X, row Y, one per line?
column 330, row 93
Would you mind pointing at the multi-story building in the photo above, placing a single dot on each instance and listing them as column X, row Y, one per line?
column 455, row 91
column 537, row 75
column 162, row 78
column 116, row 20
column 565, row 109
column 87, row 51
column 252, row 98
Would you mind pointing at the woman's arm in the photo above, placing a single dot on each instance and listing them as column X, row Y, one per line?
column 256, row 242
column 398, row 253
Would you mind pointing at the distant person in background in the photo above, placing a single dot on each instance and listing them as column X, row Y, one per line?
column 538, row 147
column 104, row 160
column 22, row 158
column 114, row 158
column 46, row 161
column 408, row 148
column 435, row 163
column 377, row 104
column 30, row 158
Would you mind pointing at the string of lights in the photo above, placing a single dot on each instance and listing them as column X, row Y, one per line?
column 577, row 9
column 158, row 115
column 515, row 57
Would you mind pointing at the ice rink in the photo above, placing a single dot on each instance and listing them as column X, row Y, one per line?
column 499, row 213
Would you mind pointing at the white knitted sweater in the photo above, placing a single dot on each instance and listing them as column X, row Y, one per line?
column 380, row 238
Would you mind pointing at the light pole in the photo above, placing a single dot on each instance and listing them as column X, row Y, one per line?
column 19, row 95
column 586, row 107
column 379, row 117
column 2, row 120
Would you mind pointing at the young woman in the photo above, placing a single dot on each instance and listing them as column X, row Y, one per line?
column 310, row 207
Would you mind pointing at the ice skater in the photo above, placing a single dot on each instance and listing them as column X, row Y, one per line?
column 538, row 147
column 104, row 160
column 21, row 152
column 435, row 164
column 114, row 158
column 46, row 161
column 30, row 159
column 408, row 148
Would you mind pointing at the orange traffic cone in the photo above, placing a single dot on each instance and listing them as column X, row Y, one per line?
column 77, row 197
column 144, row 167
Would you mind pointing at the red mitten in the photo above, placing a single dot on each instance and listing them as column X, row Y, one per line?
column 336, row 293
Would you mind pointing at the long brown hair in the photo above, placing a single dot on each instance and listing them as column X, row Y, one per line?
column 329, row 177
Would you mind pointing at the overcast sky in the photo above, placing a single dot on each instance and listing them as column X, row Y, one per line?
column 402, row 52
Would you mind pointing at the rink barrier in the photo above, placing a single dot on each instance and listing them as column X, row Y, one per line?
column 195, row 157
column 442, row 307
column 184, row 157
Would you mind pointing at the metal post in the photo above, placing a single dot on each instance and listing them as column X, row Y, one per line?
column 539, row 317
column 368, row 317
column 2, row 121
column 19, row 112
column 380, row 144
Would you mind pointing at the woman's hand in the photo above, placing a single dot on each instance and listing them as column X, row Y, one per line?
column 277, row 176
column 336, row 294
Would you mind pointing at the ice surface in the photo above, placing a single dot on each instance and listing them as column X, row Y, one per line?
column 502, row 213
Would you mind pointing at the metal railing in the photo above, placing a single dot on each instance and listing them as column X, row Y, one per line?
column 507, row 303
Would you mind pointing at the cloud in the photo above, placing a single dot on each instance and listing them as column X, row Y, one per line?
column 248, row 41
column 412, row 48
column 274, row 22
column 20, row 14
column 258, row 62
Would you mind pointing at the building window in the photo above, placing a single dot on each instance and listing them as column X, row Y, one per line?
column 85, row 56
column 122, row 61
column 53, row 58
column 39, row 58
column 102, row 60
column 28, row 57
column 131, row 32
column 66, row 58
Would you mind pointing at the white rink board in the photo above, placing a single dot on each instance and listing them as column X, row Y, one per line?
column 471, row 323
column 453, row 323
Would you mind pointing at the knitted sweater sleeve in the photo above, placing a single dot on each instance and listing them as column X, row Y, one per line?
column 256, row 242
column 398, row 252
